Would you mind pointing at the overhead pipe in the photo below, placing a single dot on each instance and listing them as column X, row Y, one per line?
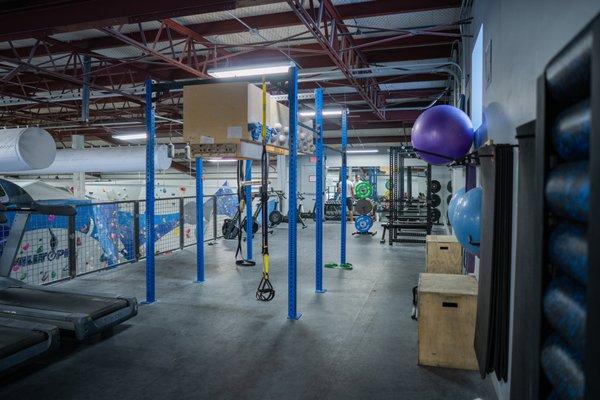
column 25, row 149
column 104, row 160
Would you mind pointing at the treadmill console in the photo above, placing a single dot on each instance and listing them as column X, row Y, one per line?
column 13, row 194
column 3, row 196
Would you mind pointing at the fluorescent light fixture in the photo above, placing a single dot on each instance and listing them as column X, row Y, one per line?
column 251, row 70
column 325, row 113
column 130, row 136
column 219, row 159
column 362, row 151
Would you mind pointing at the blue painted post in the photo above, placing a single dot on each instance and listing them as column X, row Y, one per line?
column 150, row 127
column 343, row 178
column 249, row 220
column 319, row 192
column 292, row 195
column 199, row 222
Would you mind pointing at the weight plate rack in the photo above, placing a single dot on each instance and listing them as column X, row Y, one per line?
column 400, row 230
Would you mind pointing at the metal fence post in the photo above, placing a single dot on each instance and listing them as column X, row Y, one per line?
column 214, row 199
column 136, row 230
column 72, row 248
column 181, row 224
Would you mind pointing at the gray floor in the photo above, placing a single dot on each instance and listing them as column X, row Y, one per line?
column 215, row 341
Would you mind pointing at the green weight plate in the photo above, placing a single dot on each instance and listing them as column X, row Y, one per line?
column 363, row 190
column 388, row 184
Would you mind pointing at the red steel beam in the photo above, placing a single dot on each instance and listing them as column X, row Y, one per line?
column 329, row 31
column 77, row 15
column 146, row 49
column 229, row 26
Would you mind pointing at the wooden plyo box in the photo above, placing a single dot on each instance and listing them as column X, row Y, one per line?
column 444, row 255
column 222, row 111
column 447, row 311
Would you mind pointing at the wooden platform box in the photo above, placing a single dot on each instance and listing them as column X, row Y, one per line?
column 444, row 255
column 447, row 310
column 223, row 111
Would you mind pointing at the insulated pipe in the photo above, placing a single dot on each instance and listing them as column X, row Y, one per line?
column 112, row 159
column 25, row 149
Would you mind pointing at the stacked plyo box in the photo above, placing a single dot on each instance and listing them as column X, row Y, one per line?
column 216, row 118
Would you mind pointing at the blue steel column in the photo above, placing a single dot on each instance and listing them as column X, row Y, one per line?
column 292, row 194
column 150, row 126
column 249, row 219
column 200, row 222
column 343, row 178
column 319, row 192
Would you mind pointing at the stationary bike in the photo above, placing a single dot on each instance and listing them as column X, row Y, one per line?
column 276, row 217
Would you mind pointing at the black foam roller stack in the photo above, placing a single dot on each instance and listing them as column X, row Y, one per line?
column 568, row 250
column 563, row 368
column 571, row 133
column 568, row 75
column 564, row 308
column 568, row 191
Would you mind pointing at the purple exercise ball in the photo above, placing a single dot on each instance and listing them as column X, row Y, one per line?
column 442, row 134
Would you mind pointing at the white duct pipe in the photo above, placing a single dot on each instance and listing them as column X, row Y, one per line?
column 113, row 159
column 26, row 149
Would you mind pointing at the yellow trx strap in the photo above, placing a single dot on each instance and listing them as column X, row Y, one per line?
column 265, row 291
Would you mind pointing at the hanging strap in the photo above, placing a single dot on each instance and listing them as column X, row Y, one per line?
column 265, row 291
column 239, row 255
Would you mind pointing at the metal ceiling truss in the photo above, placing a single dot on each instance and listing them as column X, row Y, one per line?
column 328, row 29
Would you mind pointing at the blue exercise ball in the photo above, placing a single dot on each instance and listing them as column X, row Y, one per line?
column 442, row 134
column 453, row 202
column 467, row 220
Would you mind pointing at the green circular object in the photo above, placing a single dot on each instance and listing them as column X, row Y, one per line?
column 363, row 190
column 388, row 184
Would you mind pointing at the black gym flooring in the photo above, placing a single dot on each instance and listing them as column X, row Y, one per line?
column 216, row 341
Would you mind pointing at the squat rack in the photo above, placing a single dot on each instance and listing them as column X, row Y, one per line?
column 152, row 88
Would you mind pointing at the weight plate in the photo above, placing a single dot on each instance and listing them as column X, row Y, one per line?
column 230, row 229
column 435, row 186
column 435, row 200
column 363, row 223
column 388, row 184
column 363, row 190
column 448, row 199
column 435, row 215
column 364, row 206
column 275, row 217
column 449, row 186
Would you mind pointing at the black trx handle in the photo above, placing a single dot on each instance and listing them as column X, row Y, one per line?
column 265, row 291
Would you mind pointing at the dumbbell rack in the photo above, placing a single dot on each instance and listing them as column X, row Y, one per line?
column 556, row 359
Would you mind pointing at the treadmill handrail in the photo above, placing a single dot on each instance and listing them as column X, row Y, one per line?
column 37, row 208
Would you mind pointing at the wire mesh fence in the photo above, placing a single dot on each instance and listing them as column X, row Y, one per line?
column 105, row 235
column 42, row 255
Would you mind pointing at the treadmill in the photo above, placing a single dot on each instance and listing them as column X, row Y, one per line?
column 21, row 341
column 84, row 314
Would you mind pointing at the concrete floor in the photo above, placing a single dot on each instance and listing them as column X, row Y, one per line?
column 215, row 341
